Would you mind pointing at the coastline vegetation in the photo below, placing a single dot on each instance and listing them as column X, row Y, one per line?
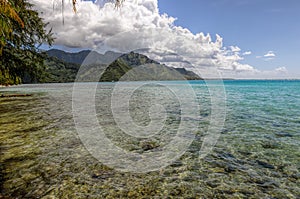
column 22, row 32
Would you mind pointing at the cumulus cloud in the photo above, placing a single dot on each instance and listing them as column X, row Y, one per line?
column 140, row 25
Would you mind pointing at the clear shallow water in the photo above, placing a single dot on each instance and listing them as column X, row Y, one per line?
column 257, row 154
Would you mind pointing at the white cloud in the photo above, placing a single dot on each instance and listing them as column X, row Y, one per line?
column 281, row 69
column 235, row 49
column 270, row 54
column 247, row 53
column 139, row 25
column 277, row 73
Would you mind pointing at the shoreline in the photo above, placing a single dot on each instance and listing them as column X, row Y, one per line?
column 14, row 95
column 6, row 86
column 9, row 95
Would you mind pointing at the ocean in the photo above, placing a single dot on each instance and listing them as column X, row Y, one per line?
column 170, row 139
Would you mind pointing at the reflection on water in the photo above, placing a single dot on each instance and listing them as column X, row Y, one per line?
column 257, row 154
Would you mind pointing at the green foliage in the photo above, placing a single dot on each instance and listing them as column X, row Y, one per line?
column 58, row 71
column 85, row 57
column 127, row 67
column 137, row 67
column 20, row 57
column 115, row 71
column 136, row 59
column 8, row 14
column 7, row 79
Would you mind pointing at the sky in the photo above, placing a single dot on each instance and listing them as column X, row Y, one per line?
column 234, row 38
column 257, row 26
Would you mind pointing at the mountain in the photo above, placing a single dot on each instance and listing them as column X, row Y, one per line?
column 85, row 57
column 59, row 71
column 137, row 67
column 135, row 59
column 63, row 67
column 189, row 75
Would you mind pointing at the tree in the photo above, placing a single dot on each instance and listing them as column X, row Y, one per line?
column 7, row 14
column 22, row 31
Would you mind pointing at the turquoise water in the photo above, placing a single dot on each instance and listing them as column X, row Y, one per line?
column 257, row 154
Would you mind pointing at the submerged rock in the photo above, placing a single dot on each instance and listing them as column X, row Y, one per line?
column 271, row 184
column 176, row 163
column 103, row 174
column 283, row 134
column 15, row 95
column 149, row 145
column 265, row 164
column 271, row 145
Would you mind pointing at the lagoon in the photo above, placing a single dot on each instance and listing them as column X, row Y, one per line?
column 256, row 156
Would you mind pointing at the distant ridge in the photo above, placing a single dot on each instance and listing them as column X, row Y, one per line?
column 80, row 57
column 64, row 66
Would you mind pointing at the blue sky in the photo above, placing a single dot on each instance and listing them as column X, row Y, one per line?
column 258, row 26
